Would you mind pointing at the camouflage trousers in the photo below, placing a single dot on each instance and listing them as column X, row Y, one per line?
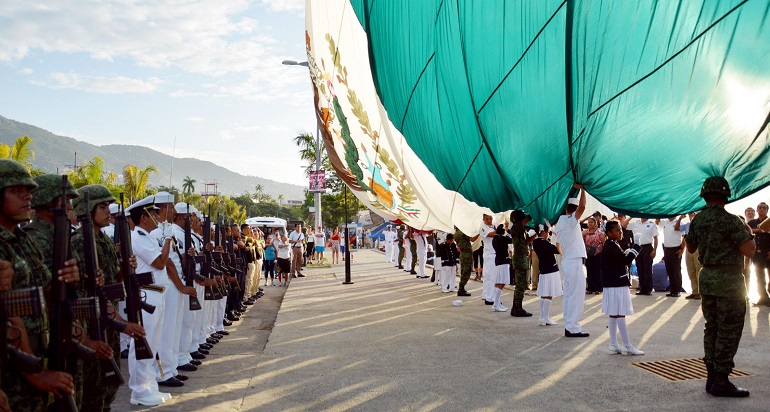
column 413, row 249
column 724, row 325
column 401, row 254
column 100, row 396
column 466, row 265
column 520, row 280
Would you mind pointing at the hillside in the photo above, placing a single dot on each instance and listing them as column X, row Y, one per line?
column 54, row 151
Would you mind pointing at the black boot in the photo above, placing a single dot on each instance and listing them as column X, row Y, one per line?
column 518, row 311
column 463, row 292
column 710, row 376
column 433, row 277
column 722, row 387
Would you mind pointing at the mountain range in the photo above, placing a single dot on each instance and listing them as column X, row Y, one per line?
column 54, row 153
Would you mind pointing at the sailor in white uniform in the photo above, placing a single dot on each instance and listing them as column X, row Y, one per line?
column 487, row 233
column 390, row 237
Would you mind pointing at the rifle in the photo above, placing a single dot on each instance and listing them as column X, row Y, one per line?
column 65, row 309
column 231, row 263
column 96, row 328
column 188, row 264
column 132, row 282
column 211, row 293
column 20, row 302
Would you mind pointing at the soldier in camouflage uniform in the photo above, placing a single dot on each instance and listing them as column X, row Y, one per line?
column 520, row 261
column 100, row 396
column 466, row 260
column 27, row 392
column 400, row 244
column 413, row 249
column 722, row 240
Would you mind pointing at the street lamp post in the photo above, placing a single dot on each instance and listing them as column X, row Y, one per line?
column 316, row 195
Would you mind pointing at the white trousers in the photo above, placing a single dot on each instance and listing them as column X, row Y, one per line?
column 141, row 379
column 394, row 252
column 219, row 316
column 388, row 251
column 438, row 270
column 171, row 332
column 407, row 257
column 487, row 283
column 448, row 278
column 251, row 267
column 125, row 340
column 422, row 256
column 257, row 276
column 574, row 293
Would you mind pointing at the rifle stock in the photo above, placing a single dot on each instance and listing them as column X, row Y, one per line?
column 20, row 302
column 131, row 280
column 110, row 372
column 188, row 264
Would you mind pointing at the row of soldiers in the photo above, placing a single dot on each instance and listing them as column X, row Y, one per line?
column 169, row 246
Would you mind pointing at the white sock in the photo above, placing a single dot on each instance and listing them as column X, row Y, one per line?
column 613, row 327
column 546, row 310
column 497, row 298
column 542, row 312
column 623, row 328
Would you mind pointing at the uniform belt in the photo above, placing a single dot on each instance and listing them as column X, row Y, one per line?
column 154, row 288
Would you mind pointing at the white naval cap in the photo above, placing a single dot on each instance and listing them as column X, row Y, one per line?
column 114, row 208
column 573, row 201
column 182, row 208
column 199, row 214
column 146, row 203
column 163, row 198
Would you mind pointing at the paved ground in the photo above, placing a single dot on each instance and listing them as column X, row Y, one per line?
column 392, row 342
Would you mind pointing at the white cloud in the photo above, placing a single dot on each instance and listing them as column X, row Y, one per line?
column 99, row 84
column 26, row 71
column 213, row 38
column 195, row 119
column 226, row 135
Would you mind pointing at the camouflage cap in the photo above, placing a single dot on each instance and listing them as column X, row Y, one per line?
column 715, row 184
column 13, row 173
column 96, row 194
column 49, row 188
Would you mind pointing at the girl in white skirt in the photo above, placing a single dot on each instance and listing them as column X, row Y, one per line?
column 616, row 301
column 502, row 271
column 549, row 281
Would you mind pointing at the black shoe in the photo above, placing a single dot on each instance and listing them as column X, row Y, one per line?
column 722, row 387
column 222, row 332
column 301, row 275
column 124, row 354
column 248, row 302
column 206, row 346
column 189, row 367
column 217, row 336
column 212, row 341
column 463, row 292
column 260, row 289
column 644, row 293
column 293, row 276
column 232, row 318
column 487, row 302
column 181, row 377
column 520, row 313
column 195, row 363
column 411, row 272
column 171, row 382
column 433, row 277
column 673, row 295
column 575, row 335
column 203, row 351
column 227, row 323
column 197, row 355
column 400, row 266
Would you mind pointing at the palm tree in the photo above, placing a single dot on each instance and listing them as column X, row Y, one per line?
column 90, row 173
column 307, row 150
column 135, row 181
column 280, row 200
column 21, row 151
column 188, row 185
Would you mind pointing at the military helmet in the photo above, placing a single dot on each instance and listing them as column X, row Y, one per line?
column 96, row 194
column 13, row 173
column 715, row 184
column 48, row 189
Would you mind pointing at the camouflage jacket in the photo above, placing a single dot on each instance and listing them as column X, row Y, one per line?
column 41, row 232
column 29, row 271
column 717, row 235
column 520, row 247
column 107, row 255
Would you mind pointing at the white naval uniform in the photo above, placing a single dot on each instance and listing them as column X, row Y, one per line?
column 422, row 253
column 573, row 251
column 407, row 254
column 389, row 238
column 487, row 281
column 173, row 315
column 142, row 373
column 437, row 268
column 189, row 317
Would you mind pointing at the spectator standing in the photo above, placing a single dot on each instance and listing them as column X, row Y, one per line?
column 594, row 239
column 647, row 232
column 760, row 258
column 673, row 247
column 691, row 261
column 295, row 240
column 334, row 242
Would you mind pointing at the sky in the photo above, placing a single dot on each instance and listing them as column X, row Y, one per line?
column 204, row 73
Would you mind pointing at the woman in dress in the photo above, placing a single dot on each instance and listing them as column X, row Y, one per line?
column 594, row 239
column 502, row 272
column 334, row 239
column 549, row 281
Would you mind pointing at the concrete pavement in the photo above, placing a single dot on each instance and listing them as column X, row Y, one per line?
column 393, row 342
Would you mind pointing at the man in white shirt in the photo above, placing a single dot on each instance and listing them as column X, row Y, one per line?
column 389, row 239
column 295, row 240
column 151, row 256
column 673, row 247
column 487, row 233
column 647, row 233
column 573, row 251
column 422, row 253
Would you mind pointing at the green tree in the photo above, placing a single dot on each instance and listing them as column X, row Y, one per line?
column 188, row 185
column 21, row 151
column 91, row 173
column 135, row 181
column 307, row 152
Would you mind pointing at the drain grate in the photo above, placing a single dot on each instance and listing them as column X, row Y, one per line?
column 681, row 369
